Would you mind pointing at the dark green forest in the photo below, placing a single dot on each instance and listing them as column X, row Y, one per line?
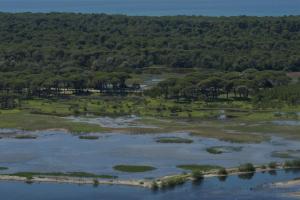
column 51, row 53
column 73, row 43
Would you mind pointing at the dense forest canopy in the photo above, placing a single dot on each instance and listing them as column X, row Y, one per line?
column 55, row 54
column 58, row 43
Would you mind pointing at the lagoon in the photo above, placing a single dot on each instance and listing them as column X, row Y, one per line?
column 58, row 151
column 234, row 187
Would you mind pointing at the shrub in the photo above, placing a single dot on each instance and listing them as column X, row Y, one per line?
column 292, row 163
column 272, row 165
column 96, row 182
column 222, row 172
column 248, row 167
column 173, row 181
column 154, row 185
column 197, row 174
column 263, row 167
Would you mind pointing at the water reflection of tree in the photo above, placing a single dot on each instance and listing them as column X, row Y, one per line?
column 247, row 176
column 197, row 182
column 293, row 171
column 222, row 178
column 273, row 172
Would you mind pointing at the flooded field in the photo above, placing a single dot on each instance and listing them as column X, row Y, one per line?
column 58, row 151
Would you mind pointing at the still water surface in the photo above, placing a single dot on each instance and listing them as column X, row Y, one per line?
column 232, row 188
column 55, row 151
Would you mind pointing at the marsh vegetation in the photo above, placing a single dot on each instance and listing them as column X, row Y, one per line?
column 134, row 168
column 173, row 140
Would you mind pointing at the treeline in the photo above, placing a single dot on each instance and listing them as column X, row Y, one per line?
column 217, row 85
column 64, row 44
column 47, row 84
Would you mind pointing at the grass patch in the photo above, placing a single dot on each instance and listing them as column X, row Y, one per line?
column 25, row 137
column 286, row 154
column 223, row 149
column 134, row 168
column 174, row 140
column 202, row 168
column 221, row 134
column 29, row 175
column 26, row 121
column 88, row 137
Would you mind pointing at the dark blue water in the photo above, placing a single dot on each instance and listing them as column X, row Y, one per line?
column 209, row 189
column 158, row 7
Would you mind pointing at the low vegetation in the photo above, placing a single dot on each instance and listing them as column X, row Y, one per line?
column 174, row 140
column 24, row 120
column 236, row 137
column 222, row 172
column 96, row 182
column 197, row 175
column 25, row 137
column 272, row 165
column 202, row 168
column 3, row 168
column 287, row 154
column 154, row 185
column 69, row 174
column 248, row 167
column 223, row 149
column 173, row 181
column 88, row 137
column 133, row 168
column 263, row 167
column 292, row 163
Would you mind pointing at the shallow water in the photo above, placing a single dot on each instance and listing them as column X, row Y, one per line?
column 209, row 189
column 131, row 121
column 158, row 7
column 61, row 152
column 287, row 122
